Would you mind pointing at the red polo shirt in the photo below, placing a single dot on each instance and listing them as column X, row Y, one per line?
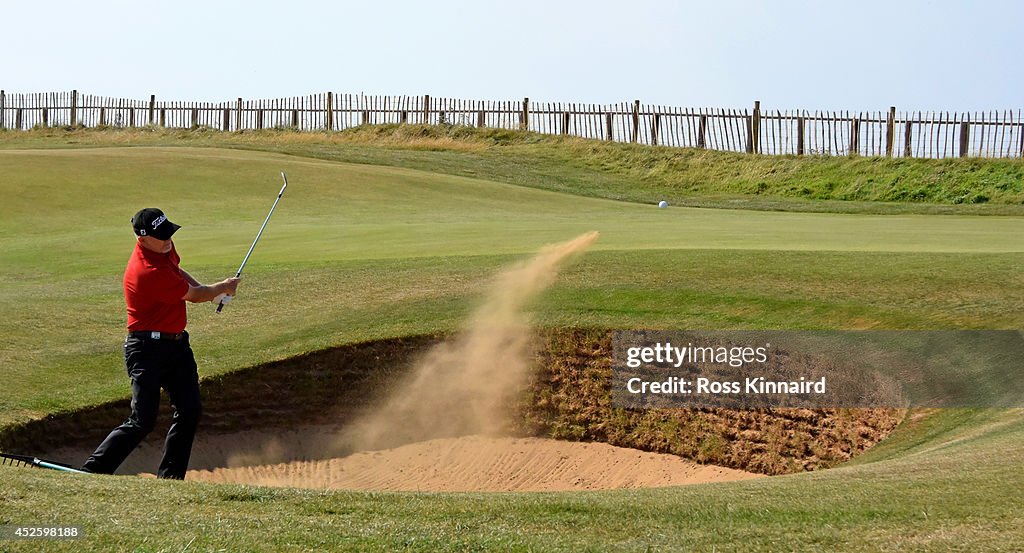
column 153, row 288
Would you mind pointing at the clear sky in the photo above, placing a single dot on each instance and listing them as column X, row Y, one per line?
column 855, row 55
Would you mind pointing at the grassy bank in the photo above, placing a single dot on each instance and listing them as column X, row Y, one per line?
column 626, row 172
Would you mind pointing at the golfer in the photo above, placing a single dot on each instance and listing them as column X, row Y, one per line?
column 157, row 352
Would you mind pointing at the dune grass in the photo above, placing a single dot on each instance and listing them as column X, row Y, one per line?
column 358, row 251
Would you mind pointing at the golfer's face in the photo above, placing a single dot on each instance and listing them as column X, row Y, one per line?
column 155, row 244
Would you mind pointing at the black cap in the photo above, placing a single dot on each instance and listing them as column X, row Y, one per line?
column 152, row 222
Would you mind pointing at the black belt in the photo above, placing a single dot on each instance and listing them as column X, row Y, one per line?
column 154, row 335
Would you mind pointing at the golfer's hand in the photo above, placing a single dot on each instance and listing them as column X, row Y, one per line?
column 230, row 286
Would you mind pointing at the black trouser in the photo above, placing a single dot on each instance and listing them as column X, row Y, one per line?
column 154, row 364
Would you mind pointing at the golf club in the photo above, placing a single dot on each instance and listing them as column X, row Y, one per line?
column 258, row 234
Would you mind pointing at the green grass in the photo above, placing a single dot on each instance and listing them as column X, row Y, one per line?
column 362, row 251
column 627, row 172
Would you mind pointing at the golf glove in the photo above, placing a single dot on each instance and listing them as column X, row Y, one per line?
column 222, row 298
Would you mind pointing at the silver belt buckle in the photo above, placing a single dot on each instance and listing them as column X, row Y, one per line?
column 154, row 335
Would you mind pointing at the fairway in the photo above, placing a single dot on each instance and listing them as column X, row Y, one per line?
column 343, row 212
column 360, row 252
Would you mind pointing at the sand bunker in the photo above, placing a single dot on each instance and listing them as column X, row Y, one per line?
column 478, row 463
column 349, row 418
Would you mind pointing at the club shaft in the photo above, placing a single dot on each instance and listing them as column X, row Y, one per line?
column 260, row 233
column 220, row 305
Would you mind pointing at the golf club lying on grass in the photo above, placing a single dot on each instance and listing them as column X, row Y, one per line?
column 29, row 461
column 226, row 299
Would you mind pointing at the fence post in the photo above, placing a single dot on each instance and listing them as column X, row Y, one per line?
column 636, row 121
column 3, row 107
column 163, row 117
column 890, row 131
column 103, row 117
column 74, row 108
column 608, row 126
column 702, row 130
column 854, row 137
column 654, row 129
column 330, row 111
column 754, row 130
column 152, row 108
column 195, row 118
column 906, row 139
column 1022, row 141
column 426, row 109
column 481, row 119
column 238, row 114
column 524, row 122
column 226, row 120
column 800, row 123
column 965, row 137
column 17, row 119
column 46, row 117
column 565, row 122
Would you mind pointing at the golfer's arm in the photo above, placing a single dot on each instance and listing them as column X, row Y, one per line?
column 203, row 292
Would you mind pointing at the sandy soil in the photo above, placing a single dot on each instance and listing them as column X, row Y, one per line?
column 477, row 463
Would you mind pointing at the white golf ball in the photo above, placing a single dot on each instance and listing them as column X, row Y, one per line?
column 663, row 204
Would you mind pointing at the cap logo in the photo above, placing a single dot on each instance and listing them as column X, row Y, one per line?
column 158, row 221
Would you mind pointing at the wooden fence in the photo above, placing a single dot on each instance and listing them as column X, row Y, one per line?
column 997, row 134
